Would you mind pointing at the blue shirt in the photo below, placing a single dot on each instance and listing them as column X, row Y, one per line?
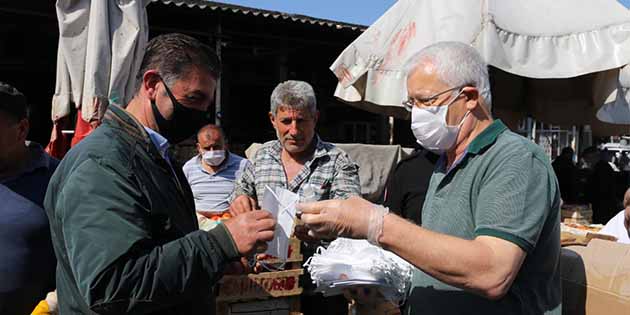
column 212, row 191
column 161, row 143
column 27, row 259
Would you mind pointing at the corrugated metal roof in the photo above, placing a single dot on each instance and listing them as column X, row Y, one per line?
column 217, row 6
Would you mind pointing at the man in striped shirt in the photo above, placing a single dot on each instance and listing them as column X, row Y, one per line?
column 212, row 173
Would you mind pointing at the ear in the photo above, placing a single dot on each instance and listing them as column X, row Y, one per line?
column 23, row 127
column 472, row 98
column 272, row 119
column 316, row 117
column 150, row 80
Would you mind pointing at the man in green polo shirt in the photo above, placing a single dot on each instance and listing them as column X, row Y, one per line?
column 490, row 236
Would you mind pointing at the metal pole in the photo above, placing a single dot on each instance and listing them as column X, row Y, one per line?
column 391, row 130
column 217, row 101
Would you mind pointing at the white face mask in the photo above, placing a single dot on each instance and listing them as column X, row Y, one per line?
column 428, row 125
column 214, row 157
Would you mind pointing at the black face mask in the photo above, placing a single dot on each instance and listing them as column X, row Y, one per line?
column 183, row 123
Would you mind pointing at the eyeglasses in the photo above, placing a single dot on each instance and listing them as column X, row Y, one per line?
column 426, row 101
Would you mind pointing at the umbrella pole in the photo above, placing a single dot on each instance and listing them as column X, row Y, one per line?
column 391, row 130
column 217, row 100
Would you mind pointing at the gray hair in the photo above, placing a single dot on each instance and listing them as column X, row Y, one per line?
column 456, row 64
column 295, row 95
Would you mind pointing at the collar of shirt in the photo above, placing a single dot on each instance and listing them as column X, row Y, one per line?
column 161, row 144
column 38, row 159
column 487, row 137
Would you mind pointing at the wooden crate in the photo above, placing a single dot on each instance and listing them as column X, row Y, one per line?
column 275, row 306
column 294, row 254
column 580, row 214
column 268, row 293
column 260, row 286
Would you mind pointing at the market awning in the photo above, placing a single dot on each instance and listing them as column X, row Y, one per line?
column 533, row 39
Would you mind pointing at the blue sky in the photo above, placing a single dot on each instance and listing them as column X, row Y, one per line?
column 351, row 11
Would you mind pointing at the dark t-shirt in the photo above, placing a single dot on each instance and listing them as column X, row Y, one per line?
column 408, row 185
column 27, row 258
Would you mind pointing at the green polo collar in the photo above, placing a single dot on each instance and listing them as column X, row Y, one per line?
column 486, row 137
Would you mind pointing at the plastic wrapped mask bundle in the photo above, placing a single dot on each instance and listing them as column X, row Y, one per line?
column 347, row 262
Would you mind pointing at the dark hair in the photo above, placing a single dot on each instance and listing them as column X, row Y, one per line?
column 13, row 102
column 173, row 55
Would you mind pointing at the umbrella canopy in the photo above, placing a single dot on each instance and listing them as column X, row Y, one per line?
column 101, row 44
column 527, row 40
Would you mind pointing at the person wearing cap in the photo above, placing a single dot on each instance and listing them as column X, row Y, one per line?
column 27, row 259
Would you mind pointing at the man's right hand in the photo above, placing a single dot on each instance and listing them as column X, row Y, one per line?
column 242, row 204
column 251, row 230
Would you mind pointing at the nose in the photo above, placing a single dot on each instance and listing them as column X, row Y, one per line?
column 293, row 128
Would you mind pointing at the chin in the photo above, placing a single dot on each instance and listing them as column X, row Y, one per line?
column 294, row 148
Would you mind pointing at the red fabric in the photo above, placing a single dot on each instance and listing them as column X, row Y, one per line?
column 82, row 130
column 61, row 143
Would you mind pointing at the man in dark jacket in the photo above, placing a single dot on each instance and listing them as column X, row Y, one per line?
column 122, row 215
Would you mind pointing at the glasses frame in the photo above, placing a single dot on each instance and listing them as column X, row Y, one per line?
column 427, row 101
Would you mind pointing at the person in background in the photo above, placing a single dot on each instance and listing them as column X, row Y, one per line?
column 408, row 184
column 123, row 217
column 490, row 236
column 301, row 162
column 212, row 173
column 619, row 225
column 566, row 171
column 601, row 187
column 27, row 259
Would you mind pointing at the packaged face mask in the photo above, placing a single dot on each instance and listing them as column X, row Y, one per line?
column 347, row 263
column 281, row 203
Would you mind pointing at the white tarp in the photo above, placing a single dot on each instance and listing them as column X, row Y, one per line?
column 376, row 163
column 535, row 39
column 101, row 44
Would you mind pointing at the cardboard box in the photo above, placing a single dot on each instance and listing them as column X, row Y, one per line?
column 596, row 278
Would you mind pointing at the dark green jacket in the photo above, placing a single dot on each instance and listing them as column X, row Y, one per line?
column 124, row 229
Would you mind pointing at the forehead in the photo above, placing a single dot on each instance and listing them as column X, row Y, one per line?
column 210, row 136
column 424, row 81
column 291, row 112
column 197, row 80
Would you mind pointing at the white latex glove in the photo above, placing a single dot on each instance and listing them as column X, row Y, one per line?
column 354, row 217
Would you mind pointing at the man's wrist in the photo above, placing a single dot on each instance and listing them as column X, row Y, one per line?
column 375, row 225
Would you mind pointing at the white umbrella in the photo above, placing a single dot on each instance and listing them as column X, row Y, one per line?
column 101, row 45
column 534, row 39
